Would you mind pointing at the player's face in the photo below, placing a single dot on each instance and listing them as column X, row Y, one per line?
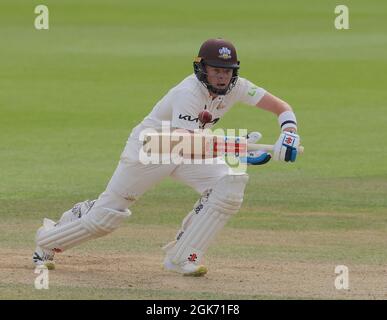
column 219, row 77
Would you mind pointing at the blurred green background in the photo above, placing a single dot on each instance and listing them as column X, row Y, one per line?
column 70, row 95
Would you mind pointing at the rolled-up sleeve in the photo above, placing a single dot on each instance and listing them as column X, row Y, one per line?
column 249, row 93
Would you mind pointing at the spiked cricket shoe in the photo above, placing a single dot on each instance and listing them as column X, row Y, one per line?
column 186, row 268
column 42, row 256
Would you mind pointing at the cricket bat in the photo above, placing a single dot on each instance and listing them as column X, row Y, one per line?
column 202, row 145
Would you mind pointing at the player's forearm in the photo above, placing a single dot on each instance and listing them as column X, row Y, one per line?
column 273, row 104
column 286, row 117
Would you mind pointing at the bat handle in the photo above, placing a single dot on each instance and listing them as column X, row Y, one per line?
column 268, row 147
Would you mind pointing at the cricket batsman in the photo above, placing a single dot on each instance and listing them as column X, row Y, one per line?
column 215, row 87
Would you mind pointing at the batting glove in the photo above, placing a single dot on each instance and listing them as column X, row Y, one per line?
column 256, row 157
column 285, row 149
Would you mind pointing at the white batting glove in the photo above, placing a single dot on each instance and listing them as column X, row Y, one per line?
column 256, row 157
column 253, row 137
column 285, row 149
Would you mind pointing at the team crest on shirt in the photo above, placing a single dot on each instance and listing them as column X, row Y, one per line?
column 224, row 53
column 220, row 106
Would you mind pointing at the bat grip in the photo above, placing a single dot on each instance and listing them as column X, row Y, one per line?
column 268, row 147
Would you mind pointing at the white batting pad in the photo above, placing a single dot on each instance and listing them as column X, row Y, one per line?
column 97, row 223
column 225, row 200
column 188, row 219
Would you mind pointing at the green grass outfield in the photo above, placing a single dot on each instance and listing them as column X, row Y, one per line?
column 70, row 96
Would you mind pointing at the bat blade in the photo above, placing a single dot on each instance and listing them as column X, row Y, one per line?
column 200, row 144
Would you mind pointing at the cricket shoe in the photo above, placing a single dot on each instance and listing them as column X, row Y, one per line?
column 186, row 268
column 44, row 257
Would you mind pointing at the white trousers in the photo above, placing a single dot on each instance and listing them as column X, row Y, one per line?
column 132, row 179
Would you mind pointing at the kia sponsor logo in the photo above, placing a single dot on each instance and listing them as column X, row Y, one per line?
column 196, row 119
